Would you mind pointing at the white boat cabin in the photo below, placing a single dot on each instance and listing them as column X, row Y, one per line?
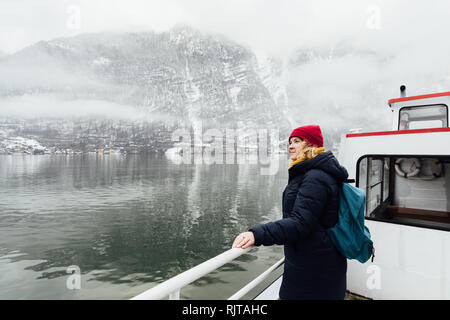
column 405, row 173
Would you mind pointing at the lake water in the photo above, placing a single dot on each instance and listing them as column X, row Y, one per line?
column 129, row 222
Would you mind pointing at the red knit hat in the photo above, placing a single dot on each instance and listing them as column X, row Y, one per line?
column 311, row 134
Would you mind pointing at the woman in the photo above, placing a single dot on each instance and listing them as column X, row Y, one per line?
column 313, row 267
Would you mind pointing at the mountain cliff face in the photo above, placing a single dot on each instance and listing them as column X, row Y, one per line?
column 179, row 78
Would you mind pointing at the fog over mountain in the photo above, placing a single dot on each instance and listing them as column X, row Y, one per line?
column 155, row 82
column 164, row 72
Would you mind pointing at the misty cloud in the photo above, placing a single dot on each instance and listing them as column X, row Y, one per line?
column 276, row 27
column 48, row 106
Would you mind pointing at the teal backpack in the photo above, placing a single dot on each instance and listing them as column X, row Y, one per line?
column 350, row 236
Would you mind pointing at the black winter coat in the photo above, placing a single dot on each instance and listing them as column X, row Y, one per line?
column 313, row 268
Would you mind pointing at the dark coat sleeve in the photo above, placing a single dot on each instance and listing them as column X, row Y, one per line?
column 303, row 219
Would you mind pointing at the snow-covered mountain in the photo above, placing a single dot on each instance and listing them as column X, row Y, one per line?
column 171, row 72
column 129, row 90
column 173, row 79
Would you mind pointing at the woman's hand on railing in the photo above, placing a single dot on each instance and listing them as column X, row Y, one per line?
column 244, row 240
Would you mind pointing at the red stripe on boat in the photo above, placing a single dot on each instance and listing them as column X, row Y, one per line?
column 424, row 96
column 386, row 133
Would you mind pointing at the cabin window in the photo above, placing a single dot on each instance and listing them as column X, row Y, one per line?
column 422, row 117
column 406, row 190
column 386, row 173
column 375, row 183
column 373, row 178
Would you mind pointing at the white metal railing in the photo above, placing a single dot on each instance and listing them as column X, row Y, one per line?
column 238, row 295
column 173, row 286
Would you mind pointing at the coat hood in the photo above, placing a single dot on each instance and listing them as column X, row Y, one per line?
column 325, row 161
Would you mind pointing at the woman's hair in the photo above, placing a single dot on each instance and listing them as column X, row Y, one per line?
column 306, row 150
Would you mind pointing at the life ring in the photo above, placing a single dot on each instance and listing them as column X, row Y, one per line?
column 434, row 173
column 413, row 173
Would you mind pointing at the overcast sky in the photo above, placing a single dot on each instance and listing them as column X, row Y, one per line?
column 271, row 26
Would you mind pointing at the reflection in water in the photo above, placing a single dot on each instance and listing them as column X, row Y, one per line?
column 128, row 222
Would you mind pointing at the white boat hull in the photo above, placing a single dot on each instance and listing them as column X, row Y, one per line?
column 410, row 263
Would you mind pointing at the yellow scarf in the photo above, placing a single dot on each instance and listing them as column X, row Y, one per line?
column 318, row 150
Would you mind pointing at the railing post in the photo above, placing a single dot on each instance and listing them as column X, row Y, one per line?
column 175, row 295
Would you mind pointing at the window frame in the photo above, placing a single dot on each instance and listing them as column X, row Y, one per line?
column 383, row 204
column 423, row 105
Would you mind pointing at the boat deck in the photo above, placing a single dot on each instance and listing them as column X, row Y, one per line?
column 271, row 292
